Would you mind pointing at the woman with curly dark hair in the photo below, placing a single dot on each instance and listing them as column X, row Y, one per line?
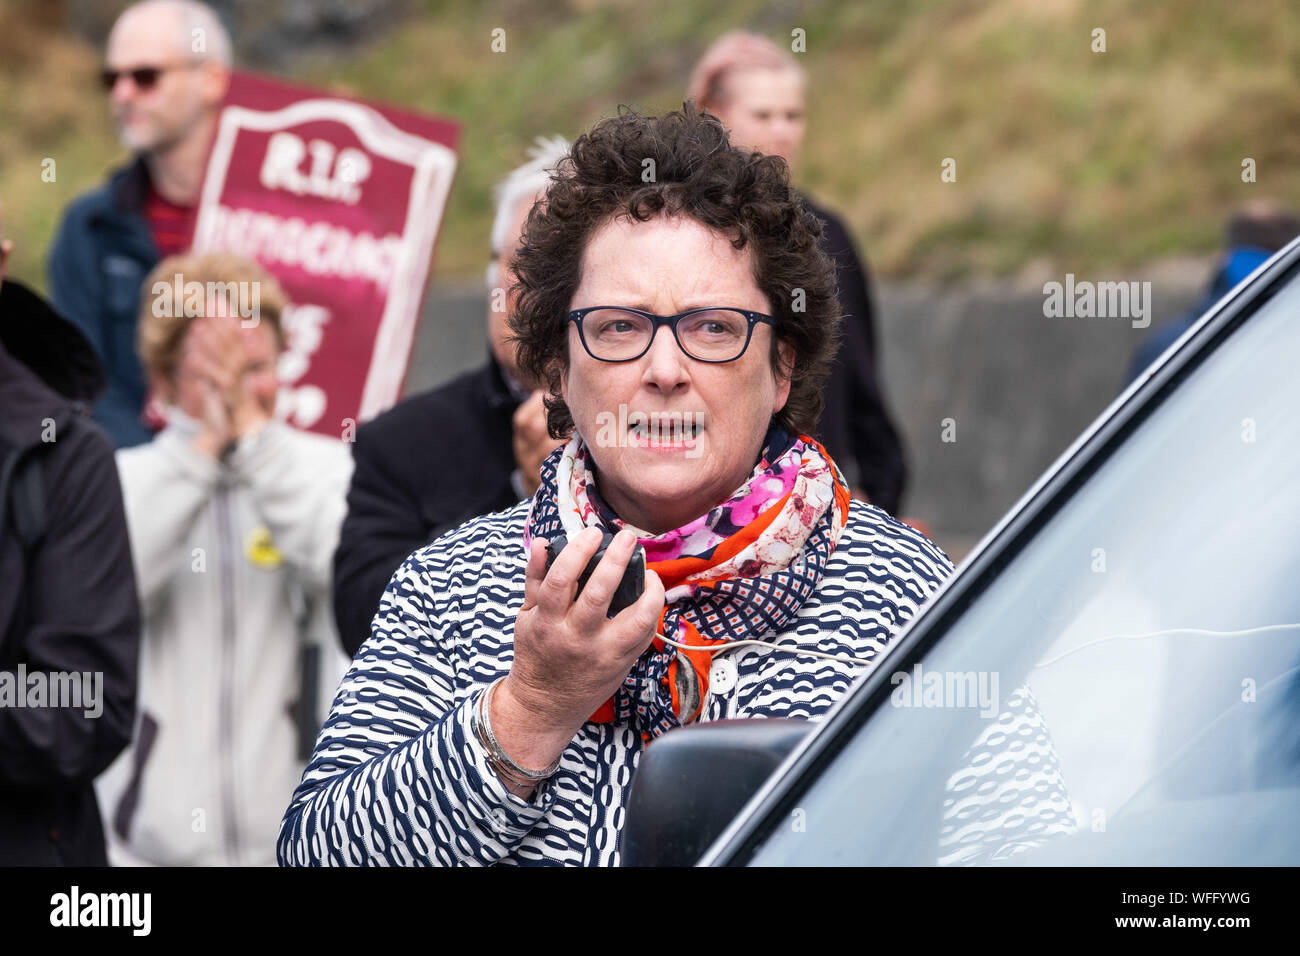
column 674, row 297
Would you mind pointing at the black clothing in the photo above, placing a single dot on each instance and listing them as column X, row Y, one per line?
column 67, row 599
column 423, row 467
column 856, row 427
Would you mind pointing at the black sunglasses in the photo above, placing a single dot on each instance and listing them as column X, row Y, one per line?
column 145, row 78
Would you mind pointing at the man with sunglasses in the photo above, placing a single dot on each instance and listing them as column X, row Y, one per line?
column 166, row 70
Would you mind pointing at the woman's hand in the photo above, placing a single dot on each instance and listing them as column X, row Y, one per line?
column 199, row 364
column 216, row 354
column 215, row 430
column 532, row 442
column 569, row 657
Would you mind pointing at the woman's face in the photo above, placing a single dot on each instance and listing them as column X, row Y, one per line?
column 261, row 378
column 666, row 266
column 764, row 110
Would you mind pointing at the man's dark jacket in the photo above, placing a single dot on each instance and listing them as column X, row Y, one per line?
column 423, row 467
column 67, row 597
column 856, row 427
column 98, row 263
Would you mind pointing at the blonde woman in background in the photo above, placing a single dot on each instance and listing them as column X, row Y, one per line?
column 233, row 519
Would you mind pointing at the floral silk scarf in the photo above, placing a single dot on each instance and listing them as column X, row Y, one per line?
column 738, row 572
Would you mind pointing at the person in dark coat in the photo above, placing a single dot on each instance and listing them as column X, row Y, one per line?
column 402, row 495
column 69, row 617
column 165, row 98
column 855, row 417
column 757, row 90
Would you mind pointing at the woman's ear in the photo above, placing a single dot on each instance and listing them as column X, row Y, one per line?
column 784, row 370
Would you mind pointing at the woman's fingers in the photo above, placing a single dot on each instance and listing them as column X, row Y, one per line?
column 555, row 597
column 219, row 339
column 637, row 624
column 202, row 365
column 203, row 340
column 569, row 646
column 592, row 604
column 534, row 571
column 214, row 411
column 566, row 625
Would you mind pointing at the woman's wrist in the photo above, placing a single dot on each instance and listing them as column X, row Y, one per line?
column 502, row 765
column 529, row 739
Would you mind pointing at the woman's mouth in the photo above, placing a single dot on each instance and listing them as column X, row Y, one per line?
column 676, row 430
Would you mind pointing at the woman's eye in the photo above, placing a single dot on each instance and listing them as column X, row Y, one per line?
column 616, row 327
column 721, row 327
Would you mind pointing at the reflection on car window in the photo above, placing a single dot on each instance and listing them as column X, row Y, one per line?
column 1009, row 795
column 1143, row 650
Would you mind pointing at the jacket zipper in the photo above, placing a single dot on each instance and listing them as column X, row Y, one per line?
column 226, row 703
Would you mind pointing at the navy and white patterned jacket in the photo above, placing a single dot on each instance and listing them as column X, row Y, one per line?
column 397, row 778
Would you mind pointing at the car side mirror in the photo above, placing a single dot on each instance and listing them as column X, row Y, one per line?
column 692, row 781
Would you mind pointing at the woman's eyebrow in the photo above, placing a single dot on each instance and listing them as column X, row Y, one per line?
column 612, row 302
column 704, row 304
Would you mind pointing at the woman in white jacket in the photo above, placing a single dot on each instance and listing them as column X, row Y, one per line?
column 233, row 520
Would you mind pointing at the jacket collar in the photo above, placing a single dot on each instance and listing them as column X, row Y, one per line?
column 121, row 200
column 497, row 388
column 128, row 188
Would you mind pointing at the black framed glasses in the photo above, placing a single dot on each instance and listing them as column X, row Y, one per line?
column 619, row 334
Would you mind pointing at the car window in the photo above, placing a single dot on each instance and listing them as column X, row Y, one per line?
column 1126, row 690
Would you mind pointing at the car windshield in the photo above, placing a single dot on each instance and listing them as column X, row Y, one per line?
column 1126, row 690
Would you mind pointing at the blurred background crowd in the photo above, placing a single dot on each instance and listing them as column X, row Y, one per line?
column 1122, row 164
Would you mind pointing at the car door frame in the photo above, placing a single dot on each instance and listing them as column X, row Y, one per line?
column 1048, row 495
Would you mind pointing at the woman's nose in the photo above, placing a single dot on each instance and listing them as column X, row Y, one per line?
column 667, row 366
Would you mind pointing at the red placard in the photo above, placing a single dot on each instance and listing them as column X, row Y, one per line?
column 341, row 201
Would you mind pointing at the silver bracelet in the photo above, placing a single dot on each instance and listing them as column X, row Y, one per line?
column 476, row 728
column 495, row 750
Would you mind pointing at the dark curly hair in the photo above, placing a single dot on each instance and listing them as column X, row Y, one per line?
column 697, row 173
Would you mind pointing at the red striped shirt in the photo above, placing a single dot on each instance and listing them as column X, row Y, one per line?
column 169, row 223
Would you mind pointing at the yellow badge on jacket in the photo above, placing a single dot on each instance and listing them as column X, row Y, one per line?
column 261, row 550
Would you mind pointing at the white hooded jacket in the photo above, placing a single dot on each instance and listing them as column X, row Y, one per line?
column 232, row 561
